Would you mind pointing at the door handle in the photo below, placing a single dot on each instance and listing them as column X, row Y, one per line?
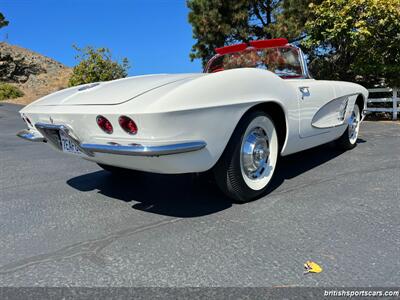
column 305, row 91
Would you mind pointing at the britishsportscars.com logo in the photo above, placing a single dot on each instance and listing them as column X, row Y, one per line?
column 361, row 293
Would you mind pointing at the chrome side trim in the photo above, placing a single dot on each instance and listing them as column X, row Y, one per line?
column 31, row 136
column 140, row 150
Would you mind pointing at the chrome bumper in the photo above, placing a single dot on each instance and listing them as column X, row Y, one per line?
column 141, row 150
column 31, row 136
column 49, row 132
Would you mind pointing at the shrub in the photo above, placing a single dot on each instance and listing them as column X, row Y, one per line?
column 8, row 91
column 96, row 65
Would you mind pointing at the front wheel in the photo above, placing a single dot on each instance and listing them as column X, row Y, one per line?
column 246, row 167
column 349, row 138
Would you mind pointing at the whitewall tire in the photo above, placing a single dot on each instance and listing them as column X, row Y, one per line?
column 248, row 163
column 349, row 138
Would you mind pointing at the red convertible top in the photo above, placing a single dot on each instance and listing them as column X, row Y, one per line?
column 260, row 44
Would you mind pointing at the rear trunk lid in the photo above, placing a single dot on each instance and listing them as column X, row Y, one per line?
column 112, row 92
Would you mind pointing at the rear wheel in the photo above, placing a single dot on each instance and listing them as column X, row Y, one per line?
column 348, row 140
column 246, row 167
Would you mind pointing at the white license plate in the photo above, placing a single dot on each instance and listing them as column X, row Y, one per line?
column 68, row 145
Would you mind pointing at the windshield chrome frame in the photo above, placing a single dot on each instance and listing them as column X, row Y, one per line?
column 303, row 61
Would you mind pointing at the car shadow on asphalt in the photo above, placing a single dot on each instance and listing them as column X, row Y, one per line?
column 184, row 196
column 299, row 163
column 188, row 195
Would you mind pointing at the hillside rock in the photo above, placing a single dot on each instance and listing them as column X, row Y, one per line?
column 36, row 75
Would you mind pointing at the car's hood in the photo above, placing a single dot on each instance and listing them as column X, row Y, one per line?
column 112, row 92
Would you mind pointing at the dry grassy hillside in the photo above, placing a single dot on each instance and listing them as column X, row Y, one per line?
column 36, row 75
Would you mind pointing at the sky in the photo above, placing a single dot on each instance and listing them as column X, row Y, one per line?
column 153, row 34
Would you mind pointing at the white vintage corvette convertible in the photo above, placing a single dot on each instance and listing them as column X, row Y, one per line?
column 253, row 103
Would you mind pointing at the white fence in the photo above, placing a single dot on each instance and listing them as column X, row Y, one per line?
column 394, row 99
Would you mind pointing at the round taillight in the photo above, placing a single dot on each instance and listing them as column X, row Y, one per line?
column 127, row 124
column 104, row 124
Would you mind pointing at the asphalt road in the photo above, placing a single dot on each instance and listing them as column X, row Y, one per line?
column 65, row 222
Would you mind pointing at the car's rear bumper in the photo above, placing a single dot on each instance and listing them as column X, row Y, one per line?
column 141, row 150
column 30, row 135
column 46, row 133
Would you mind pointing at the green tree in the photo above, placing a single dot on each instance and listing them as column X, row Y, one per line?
column 222, row 22
column 96, row 65
column 355, row 40
column 291, row 19
column 3, row 21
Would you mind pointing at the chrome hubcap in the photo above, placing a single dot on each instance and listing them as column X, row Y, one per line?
column 353, row 126
column 255, row 153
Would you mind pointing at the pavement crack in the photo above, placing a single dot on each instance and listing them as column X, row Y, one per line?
column 90, row 248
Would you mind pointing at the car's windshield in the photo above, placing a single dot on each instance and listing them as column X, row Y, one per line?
column 283, row 61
